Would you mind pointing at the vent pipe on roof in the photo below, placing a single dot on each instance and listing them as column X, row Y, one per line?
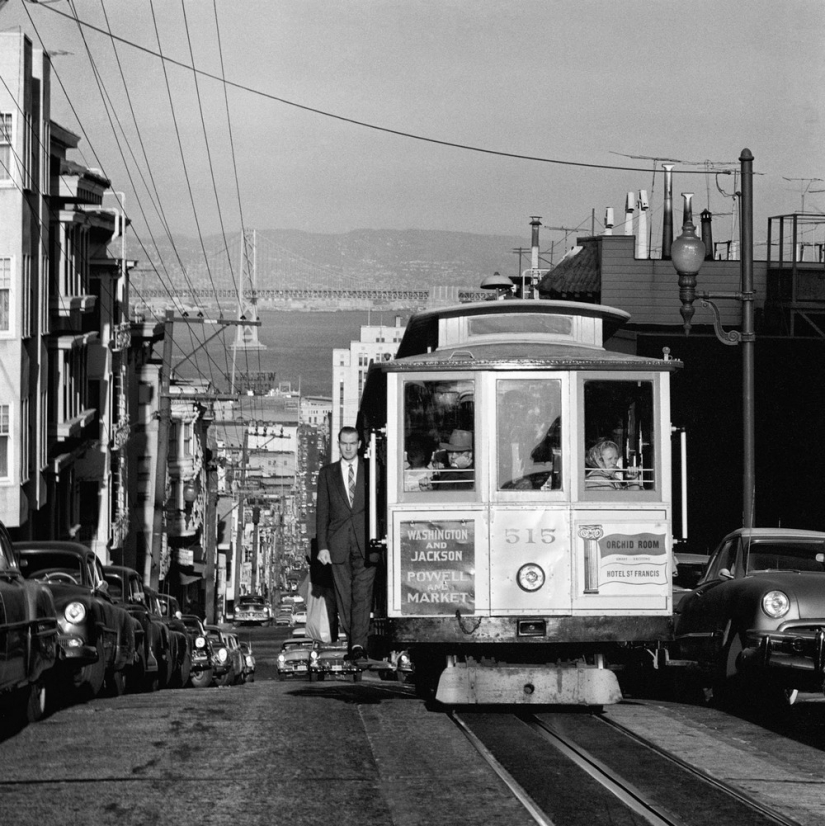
column 667, row 223
column 608, row 221
column 707, row 233
column 529, row 286
column 535, row 223
column 629, row 206
column 642, row 249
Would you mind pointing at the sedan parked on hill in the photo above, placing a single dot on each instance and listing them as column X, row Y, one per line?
column 757, row 615
column 180, row 659
column 330, row 660
column 202, row 657
column 252, row 610
column 97, row 637
column 226, row 665
column 154, row 668
column 28, row 638
column 293, row 659
column 248, row 662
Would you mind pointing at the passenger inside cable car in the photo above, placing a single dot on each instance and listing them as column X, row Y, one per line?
column 603, row 463
column 457, row 471
column 529, row 434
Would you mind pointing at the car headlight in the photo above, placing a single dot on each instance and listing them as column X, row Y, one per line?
column 222, row 655
column 75, row 612
column 200, row 642
column 776, row 604
column 530, row 577
column 281, row 659
column 249, row 662
column 313, row 655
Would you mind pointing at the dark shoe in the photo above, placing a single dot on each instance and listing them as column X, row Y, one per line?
column 357, row 653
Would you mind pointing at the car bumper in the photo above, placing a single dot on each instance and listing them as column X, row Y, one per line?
column 334, row 667
column 296, row 669
column 796, row 649
column 76, row 650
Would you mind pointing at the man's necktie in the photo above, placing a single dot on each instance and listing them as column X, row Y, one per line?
column 351, row 487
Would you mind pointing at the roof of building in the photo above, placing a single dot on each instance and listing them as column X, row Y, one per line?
column 576, row 274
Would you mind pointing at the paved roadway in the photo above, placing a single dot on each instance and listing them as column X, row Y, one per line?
column 297, row 753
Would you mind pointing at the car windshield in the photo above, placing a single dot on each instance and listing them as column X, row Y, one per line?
column 777, row 555
column 39, row 565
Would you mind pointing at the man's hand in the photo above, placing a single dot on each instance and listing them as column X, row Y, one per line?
column 324, row 558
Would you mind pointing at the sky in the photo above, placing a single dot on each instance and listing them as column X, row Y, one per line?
column 577, row 82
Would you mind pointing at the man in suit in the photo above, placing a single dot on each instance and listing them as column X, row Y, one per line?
column 341, row 531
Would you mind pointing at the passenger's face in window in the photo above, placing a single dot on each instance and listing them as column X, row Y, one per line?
column 460, row 458
column 611, row 457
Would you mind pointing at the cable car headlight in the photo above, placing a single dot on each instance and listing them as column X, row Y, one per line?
column 530, row 577
column 776, row 604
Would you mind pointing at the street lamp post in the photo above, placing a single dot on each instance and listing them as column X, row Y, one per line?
column 687, row 254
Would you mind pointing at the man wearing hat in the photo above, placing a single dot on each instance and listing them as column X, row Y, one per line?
column 459, row 473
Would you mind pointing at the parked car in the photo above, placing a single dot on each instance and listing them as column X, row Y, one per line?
column 252, row 610
column 202, row 657
column 180, row 655
column 248, row 662
column 299, row 614
column 293, row 658
column 329, row 659
column 284, row 616
column 154, row 668
column 236, row 655
column 223, row 663
column 757, row 615
column 28, row 639
column 97, row 637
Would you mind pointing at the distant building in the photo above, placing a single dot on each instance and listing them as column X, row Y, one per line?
column 349, row 371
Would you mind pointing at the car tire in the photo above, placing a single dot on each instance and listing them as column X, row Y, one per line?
column 281, row 677
column 115, row 683
column 36, row 700
column 727, row 681
column 357, row 676
column 89, row 680
column 185, row 670
column 201, row 678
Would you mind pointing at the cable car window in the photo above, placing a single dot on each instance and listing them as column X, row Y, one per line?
column 439, row 439
column 619, row 449
column 528, row 413
column 521, row 324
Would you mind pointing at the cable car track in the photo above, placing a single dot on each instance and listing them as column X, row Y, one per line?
column 573, row 768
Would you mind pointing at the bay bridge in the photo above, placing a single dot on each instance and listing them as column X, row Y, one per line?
column 253, row 269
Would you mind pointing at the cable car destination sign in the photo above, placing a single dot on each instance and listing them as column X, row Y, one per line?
column 437, row 566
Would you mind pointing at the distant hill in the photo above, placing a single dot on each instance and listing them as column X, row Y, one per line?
column 382, row 259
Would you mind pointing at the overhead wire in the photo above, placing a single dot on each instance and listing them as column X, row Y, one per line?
column 94, row 153
column 240, row 288
column 365, row 124
column 104, row 95
column 180, row 149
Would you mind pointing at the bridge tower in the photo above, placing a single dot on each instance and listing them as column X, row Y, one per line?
column 246, row 337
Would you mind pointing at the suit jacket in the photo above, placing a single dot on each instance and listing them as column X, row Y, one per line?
column 339, row 527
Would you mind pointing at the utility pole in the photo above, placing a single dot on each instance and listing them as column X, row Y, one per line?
column 239, row 558
column 152, row 560
column 151, row 563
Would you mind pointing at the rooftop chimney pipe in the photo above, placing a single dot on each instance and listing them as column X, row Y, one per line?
column 667, row 222
column 642, row 249
column 707, row 233
column 535, row 223
column 629, row 206
column 608, row 221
